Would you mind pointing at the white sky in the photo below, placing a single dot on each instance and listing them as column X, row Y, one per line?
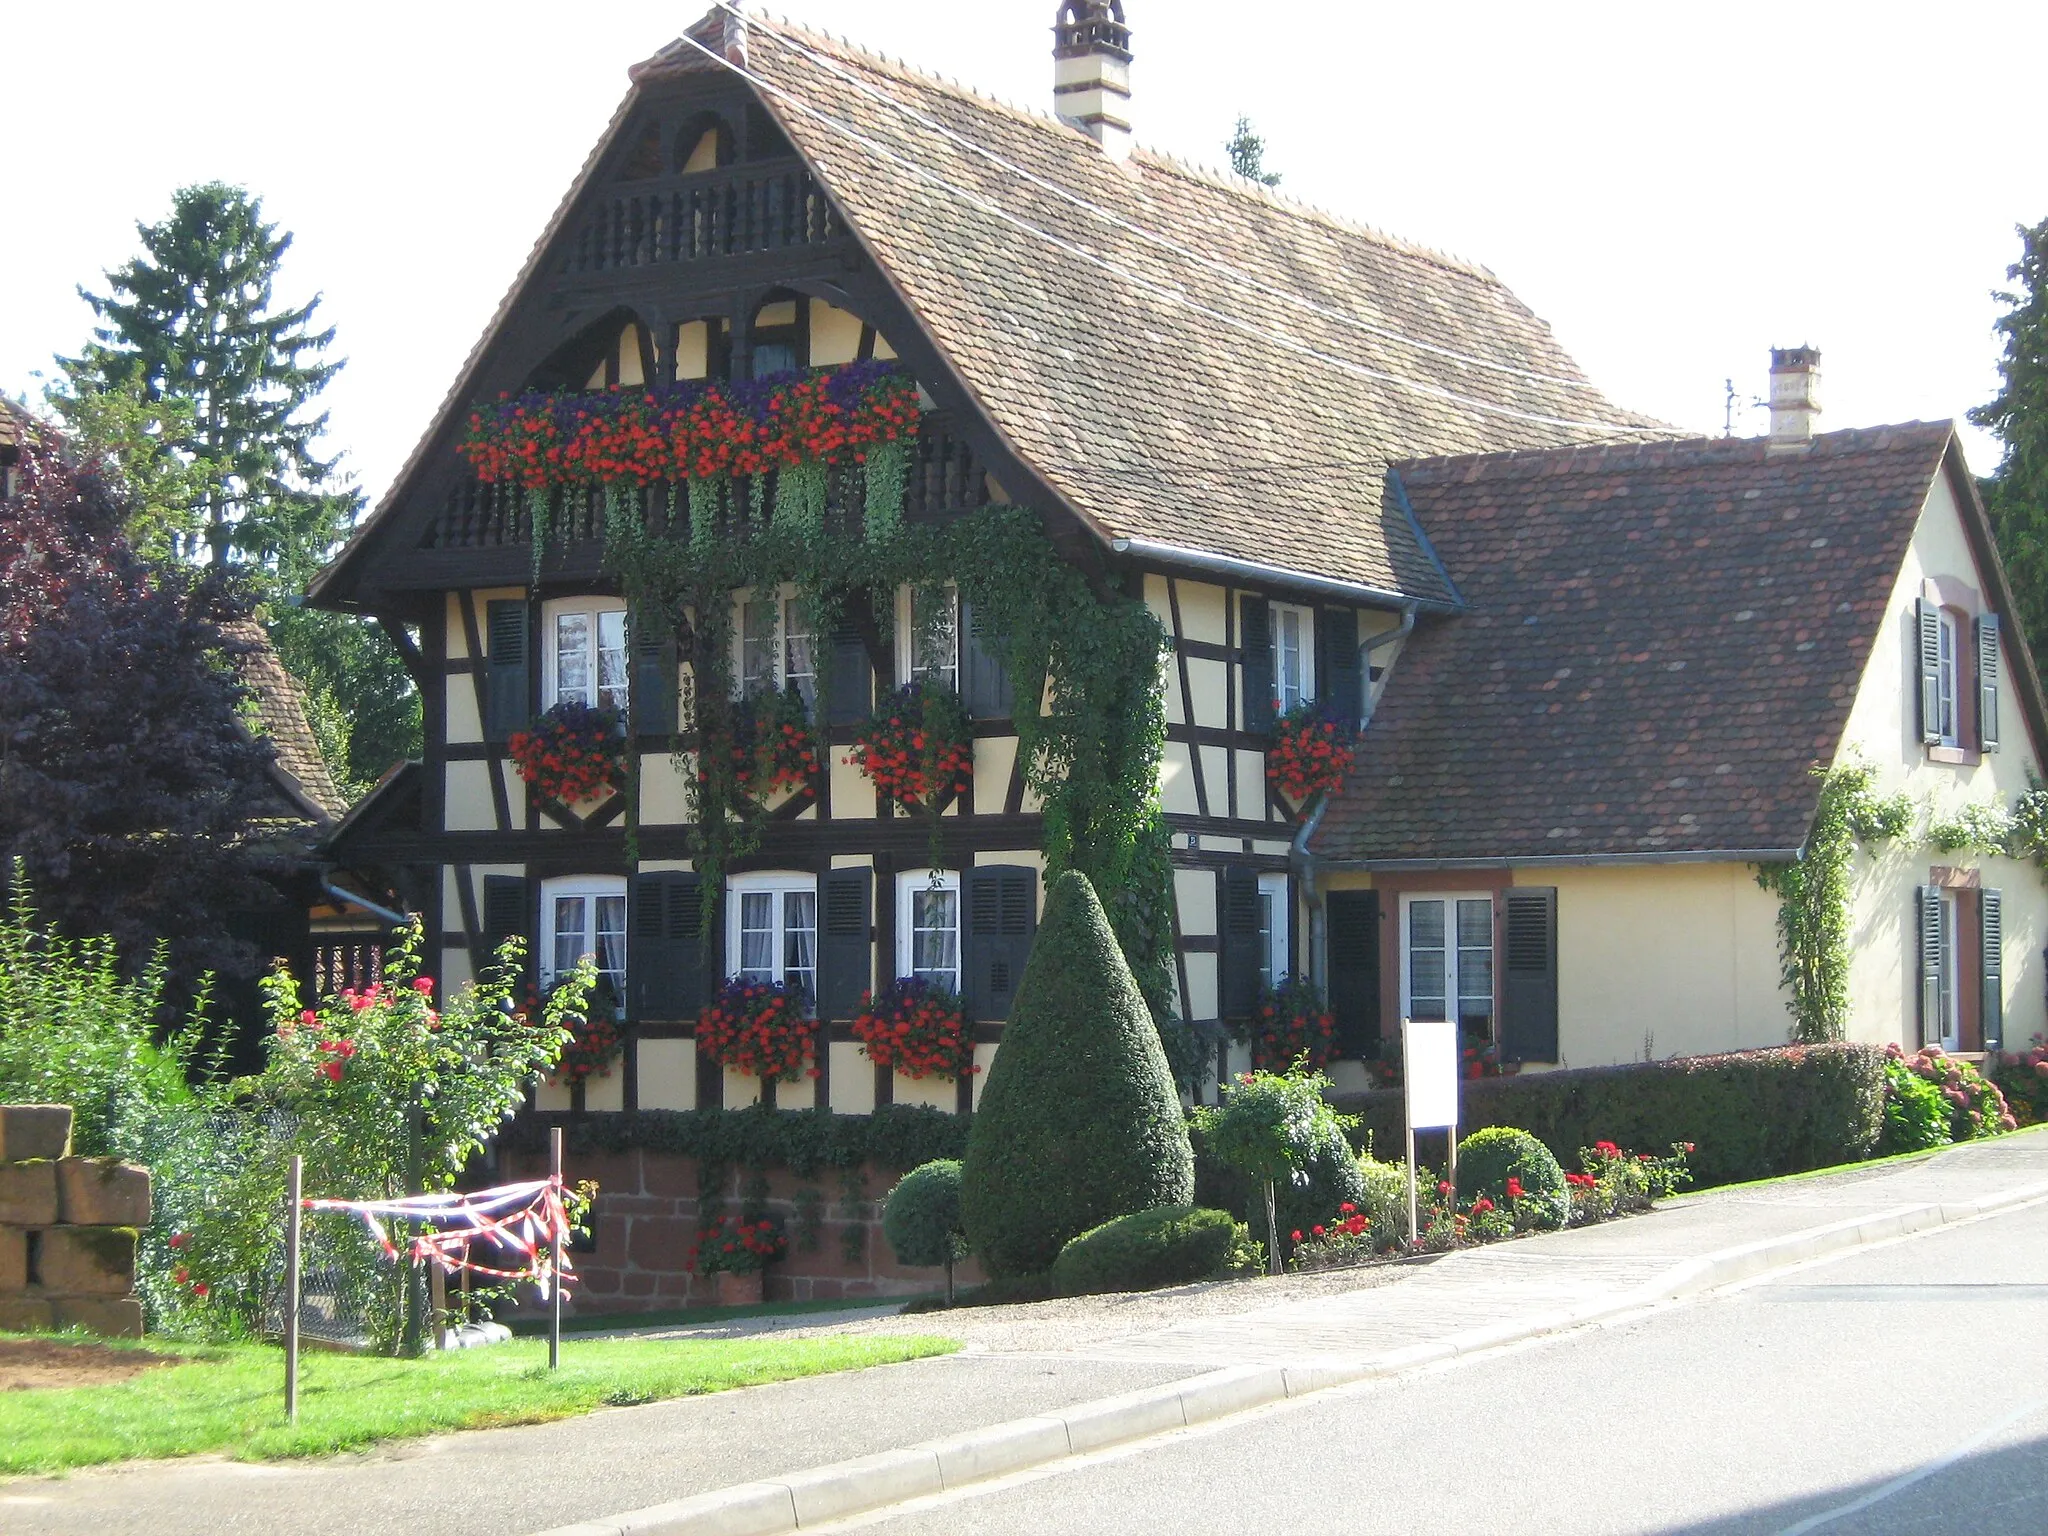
column 1674, row 187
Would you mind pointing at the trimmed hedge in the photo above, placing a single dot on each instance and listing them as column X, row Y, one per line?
column 1079, row 1120
column 922, row 1217
column 1751, row 1114
column 900, row 1136
column 1173, row 1245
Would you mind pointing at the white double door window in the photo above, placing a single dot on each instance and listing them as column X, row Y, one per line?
column 1274, row 949
column 1447, row 960
column 585, row 916
column 777, row 648
column 928, row 636
column 928, row 927
column 773, row 931
column 586, row 660
column 1294, row 655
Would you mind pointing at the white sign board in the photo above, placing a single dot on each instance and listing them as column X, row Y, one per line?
column 1429, row 1066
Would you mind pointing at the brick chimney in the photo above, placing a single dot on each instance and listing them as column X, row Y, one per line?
column 1795, row 397
column 1091, row 72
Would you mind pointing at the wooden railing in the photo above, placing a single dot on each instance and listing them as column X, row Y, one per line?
column 945, row 479
column 709, row 214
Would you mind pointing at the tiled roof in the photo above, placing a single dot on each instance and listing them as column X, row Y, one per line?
column 281, row 713
column 1155, row 420
column 1662, row 641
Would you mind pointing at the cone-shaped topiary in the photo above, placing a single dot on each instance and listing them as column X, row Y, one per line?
column 1079, row 1122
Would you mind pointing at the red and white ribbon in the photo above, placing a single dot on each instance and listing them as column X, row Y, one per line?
column 526, row 1220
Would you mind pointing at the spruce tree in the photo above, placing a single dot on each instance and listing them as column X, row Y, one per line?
column 2017, row 493
column 1079, row 1122
column 1247, row 153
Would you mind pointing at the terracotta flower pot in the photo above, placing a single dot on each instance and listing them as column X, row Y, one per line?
column 738, row 1290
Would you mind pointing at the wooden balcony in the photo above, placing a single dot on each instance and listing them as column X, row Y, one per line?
column 728, row 212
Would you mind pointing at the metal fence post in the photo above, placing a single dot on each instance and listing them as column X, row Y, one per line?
column 293, row 1217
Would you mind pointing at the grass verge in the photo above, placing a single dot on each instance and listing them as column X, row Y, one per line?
column 683, row 1317
column 231, row 1397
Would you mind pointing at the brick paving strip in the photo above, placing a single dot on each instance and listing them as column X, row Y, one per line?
column 1035, row 1384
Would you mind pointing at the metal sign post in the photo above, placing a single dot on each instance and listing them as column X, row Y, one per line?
column 555, row 1288
column 1429, row 1074
column 293, row 1216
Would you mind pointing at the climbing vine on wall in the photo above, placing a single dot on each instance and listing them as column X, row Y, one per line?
column 1813, row 896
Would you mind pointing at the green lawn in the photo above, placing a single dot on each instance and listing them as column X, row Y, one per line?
column 231, row 1397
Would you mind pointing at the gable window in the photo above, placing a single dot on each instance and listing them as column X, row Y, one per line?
column 586, row 654
column 1275, row 954
column 1946, row 723
column 772, row 931
column 777, row 650
column 1447, row 960
column 929, row 624
column 928, row 927
column 584, row 915
column 1294, row 655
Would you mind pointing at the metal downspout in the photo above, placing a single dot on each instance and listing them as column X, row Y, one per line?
column 395, row 919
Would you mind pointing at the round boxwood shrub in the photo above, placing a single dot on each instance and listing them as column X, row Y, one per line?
column 1173, row 1245
column 1327, row 1176
column 1488, row 1158
column 1079, row 1121
column 922, row 1217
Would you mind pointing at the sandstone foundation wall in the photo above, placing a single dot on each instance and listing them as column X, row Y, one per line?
column 67, row 1229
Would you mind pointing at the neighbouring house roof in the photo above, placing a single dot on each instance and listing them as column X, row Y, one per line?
column 300, row 770
column 1661, row 643
column 1163, row 400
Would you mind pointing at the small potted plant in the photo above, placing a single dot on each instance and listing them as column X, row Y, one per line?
column 736, row 1254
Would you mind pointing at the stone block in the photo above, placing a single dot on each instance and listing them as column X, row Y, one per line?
column 28, row 1194
column 34, row 1131
column 88, row 1261
column 13, row 1261
column 25, row 1314
column 114, row 1318
column 102, row 1192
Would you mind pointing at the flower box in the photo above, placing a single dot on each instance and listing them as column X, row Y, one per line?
column 730, row 1289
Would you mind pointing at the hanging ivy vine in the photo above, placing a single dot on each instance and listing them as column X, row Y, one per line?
column 1813, row 896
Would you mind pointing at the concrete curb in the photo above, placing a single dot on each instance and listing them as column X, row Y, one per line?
column 812, row 1498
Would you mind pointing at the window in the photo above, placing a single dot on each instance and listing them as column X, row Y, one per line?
column 1447, row 961
column 586, row 660
column 1945, row 682
column 1951, row 1000
column 1294, row 655
column 1275, row 955
column 773, row 931
column 928, row 927
column 930, row 626
column 777, row 650
column 584, row 916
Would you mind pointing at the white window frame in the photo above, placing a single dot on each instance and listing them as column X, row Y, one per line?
column 779, row 884
column 908, row 664
column 589, row 888
column 1947, row 675
column 593, row 608
column 1453, row 988
column 908, row 883
column 1303, row 653
column 1275, row 929
column 1951, row 991
column 803, row 670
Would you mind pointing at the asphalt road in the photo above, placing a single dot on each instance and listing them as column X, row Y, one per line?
column 1900, row 1389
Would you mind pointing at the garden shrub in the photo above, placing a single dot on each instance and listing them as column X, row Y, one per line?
column 1494, row 1154
column 1973, row 1103
column 1385, row 1201
column 1173, row 1245
column 921, row 1219
column 1301, row 1145
column 1752, row 1114
column 1915, row 1113
column 2022, row 1076
column 1079, row 1121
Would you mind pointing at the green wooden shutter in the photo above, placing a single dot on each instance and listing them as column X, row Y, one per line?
column 654, row 677
column 984, row 684
column 852, row 688
column 506, row 670
column 1528, row 1023
column 1991, row 936
column 1929, row 901
column 999, row 924
column 664, row 946
column 1930, row 672
column 1987, row 682
column 1339, row 679
column 1240, row 980
column 1255, row 625
column 846, row 966
column 506, row 914
column 1354, row 953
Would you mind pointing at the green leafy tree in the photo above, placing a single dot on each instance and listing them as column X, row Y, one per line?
column 197, row 392
column 1247, row 153
column 2017, row 494
column 1278, row 1130
column 1079, row 1122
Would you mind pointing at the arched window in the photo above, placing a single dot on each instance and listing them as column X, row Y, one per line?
column 704, row 349
column 614, row 351
column 778, row 340
column 643, row 161
column 704, row 143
